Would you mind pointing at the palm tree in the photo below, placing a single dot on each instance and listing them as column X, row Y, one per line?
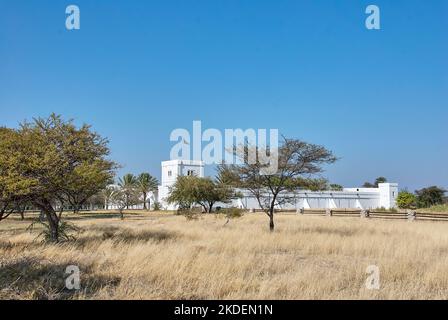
column 145, row 184
column 107, row 193
column 128, row 184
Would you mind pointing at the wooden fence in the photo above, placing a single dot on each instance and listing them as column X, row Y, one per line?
column 375, row 214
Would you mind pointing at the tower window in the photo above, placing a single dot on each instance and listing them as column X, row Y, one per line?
column 170, row 173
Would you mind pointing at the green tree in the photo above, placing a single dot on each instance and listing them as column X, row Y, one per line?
column 297, row 162
column 368, row 185
column 209, row 192
column 41, row 160
column 128, row 185
column 375, row 184
column 190, row 190
column 146, row 183
column 430, row 196
column 406, row 200
column 318, row 184
column 82, row 183
column 181, row 193
column 336, row 187
column 13, row 190
column 379, row 180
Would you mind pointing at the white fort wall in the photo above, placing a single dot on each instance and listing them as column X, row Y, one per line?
column 366, row 199
column 356, row 198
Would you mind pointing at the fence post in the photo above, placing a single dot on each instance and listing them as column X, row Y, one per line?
column 329, row 212
column 301, row 211
column 365, row 214
column 412, row 215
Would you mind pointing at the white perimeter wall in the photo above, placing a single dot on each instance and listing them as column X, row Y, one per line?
column 352, row 198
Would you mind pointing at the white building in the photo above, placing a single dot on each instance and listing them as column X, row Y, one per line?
column 360, row 198
column 173, row 169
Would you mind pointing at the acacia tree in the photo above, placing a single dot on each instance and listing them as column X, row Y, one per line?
column 190, row 190
column 146, row 183
column 46, row 158
column 208, row 192
column 13, row 191
column 82, row 184
column 181, row 193
column 298, row 162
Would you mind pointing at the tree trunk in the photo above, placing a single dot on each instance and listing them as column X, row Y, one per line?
column 53, row 223
column 210, row 207
column 121, row 214
column 271, row 213
column 144, row 201
column 60, row 212
column 52, row 218
column 76, row 208
column 21, row 210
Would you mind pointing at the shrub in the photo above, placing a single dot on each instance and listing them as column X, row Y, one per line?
column 157, row 206
column 406, row 200
column 431, row 196
column 190, row 213
column 232, row 212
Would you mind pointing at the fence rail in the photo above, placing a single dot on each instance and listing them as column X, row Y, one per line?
column 375, row 214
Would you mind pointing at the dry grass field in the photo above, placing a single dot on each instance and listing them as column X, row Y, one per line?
column 163, row 256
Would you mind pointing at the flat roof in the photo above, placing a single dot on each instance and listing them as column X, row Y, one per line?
column 185, row 162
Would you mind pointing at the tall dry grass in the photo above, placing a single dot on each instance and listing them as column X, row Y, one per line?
column 163, row 256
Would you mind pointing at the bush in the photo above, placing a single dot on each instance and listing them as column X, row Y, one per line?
column 190, row 213
column 431, row 196
column 406, row 200
column 232, row 213
column 157, row 206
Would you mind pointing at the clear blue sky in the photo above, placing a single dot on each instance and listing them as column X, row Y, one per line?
column 139, row 69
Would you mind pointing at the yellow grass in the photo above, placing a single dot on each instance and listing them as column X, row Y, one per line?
column 163, row 256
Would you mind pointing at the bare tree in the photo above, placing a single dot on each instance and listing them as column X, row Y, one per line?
column 122, row 199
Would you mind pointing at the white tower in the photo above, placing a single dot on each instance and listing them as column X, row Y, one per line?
column 173, row 169
column 388, row 195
